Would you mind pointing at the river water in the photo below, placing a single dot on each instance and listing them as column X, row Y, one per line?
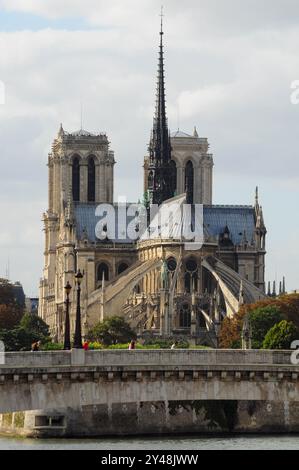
column 265, row 442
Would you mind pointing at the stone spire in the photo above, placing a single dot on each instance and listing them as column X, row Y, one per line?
column 159, row 170
column 260, row 219
column 269, row 289
column 257, row 197
column 284, row 285
column 61, row 131
column 260, row 228
column 246, row 333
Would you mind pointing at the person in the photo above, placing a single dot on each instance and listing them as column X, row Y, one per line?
column 132, row 344
column 86, row 345
column 174, row 345
column 35, row 346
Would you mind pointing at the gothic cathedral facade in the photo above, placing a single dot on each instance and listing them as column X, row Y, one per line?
column 158, row 285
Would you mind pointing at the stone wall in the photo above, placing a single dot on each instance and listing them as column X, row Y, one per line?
column 161, row 417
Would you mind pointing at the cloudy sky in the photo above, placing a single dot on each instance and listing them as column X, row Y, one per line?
column 229, row 69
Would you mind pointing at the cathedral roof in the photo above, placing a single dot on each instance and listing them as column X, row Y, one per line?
column 86, row 222
column 238, row 219
column 81, row 132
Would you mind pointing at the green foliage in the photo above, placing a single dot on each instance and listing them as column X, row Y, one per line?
column 123, row 346
column 231, row 328
column 31, row 329
column 281, row 335
column 146, row 199
column 34, row 323
column 261, row 320
column 52, row 346
column 95, row 345
column 165, row 343
column 114, row 330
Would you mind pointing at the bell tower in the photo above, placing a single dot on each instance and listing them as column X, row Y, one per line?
column 81, row 167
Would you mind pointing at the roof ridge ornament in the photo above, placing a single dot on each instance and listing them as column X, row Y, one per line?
column 61, row 131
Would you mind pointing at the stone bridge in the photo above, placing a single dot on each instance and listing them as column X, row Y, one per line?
column 59, row 379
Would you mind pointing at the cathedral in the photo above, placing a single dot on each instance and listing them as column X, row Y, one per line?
column 157, row 283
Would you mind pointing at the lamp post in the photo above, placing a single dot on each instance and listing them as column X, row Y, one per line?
column 78, row 335
column 67, row 334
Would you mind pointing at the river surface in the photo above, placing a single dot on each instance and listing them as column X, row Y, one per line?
column 265, row 442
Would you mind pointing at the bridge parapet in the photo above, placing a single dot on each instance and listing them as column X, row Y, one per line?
column 161, row 357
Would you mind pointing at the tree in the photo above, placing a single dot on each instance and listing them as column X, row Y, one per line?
column 231, row 328
column 112, row 331
column 10, row 315
column 11, row 311
column 230, row 332
column 261, row 320
column 281, row 335
column 35, row 324
column 31, row 328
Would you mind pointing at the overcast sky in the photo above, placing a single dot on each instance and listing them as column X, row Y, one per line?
column 229, row 69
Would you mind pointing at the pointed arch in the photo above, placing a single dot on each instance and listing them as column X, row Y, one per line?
column 122, row 267
column 185, row 316
column 191, row 275
column 76, row 178
column 91, row 185
column 189, row 182
column 103, row 268
column 172, row 178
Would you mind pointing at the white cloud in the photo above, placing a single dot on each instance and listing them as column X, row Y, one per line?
column 230, row 74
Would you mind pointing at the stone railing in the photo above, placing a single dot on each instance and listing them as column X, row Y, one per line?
column 140, row 358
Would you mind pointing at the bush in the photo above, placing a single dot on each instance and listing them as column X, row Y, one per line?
column 261, row 320
column 31, row 329
column 166, row 343
column 35, row 324
column 114, row 330
column 95, row 345
column 281, row 335
column 52, row 346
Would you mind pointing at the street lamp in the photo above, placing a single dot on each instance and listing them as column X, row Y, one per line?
column 67, row 335
column 78, row 335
